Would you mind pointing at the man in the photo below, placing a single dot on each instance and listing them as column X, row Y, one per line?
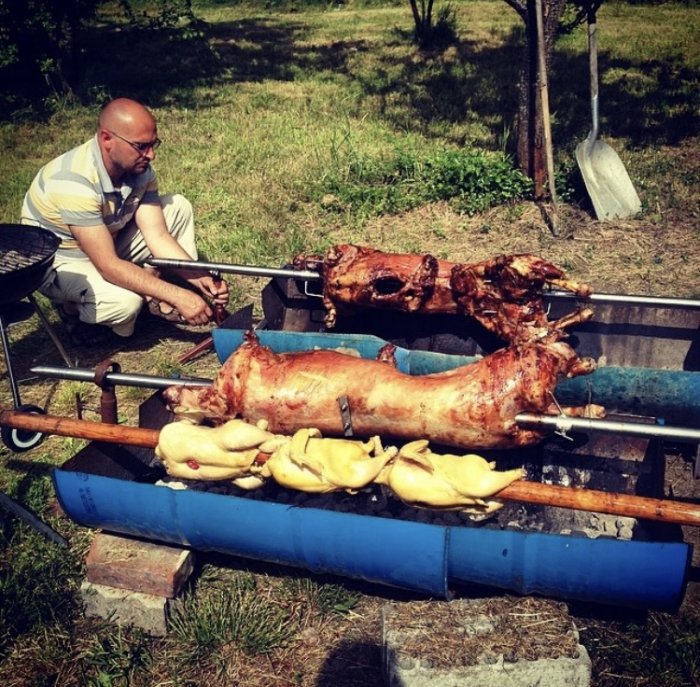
column 102, row 200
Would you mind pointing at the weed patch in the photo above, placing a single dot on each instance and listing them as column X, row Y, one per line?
column 234, row 613
column 471, row 181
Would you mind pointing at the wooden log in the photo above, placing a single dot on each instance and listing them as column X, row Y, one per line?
column 628, row 505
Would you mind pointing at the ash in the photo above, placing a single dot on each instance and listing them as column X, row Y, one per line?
column 379, row 501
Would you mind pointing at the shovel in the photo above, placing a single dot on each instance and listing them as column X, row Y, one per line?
column 606, row 178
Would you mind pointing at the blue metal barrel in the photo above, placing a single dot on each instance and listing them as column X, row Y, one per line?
column 429, row 559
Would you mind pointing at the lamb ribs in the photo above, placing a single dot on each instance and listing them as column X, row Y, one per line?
column 504, row 294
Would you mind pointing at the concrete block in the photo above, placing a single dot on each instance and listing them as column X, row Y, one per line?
column 146, row 611
column 138, row 565
column 518, row 642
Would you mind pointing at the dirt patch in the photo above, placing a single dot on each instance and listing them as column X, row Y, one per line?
column 446, row 634
column 637, row 256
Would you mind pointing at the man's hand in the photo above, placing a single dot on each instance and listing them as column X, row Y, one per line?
column 216, row 290
column 191, row 306
column 215, row 293
column 98, row 245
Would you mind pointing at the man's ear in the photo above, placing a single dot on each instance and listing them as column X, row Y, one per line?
column 105, row 138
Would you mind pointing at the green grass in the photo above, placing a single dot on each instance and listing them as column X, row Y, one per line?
column 288, row 128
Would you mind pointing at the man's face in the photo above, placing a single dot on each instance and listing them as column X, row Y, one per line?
column 133, row 149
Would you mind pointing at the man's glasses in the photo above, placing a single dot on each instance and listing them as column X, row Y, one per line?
column 140, row 148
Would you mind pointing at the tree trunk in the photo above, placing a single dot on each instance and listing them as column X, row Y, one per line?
column 530, row 149
column 423, row 20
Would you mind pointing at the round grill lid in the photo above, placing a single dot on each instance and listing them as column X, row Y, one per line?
column 23, row 246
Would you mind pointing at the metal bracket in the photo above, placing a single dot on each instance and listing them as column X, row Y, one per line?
column 344, row 406
column 310, row 293
column 108, row 398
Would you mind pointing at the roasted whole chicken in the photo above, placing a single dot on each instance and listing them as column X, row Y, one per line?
column 473, row 406
column 248, row 456
column 504, row 293
column 227, row 452
column 313, row 464
column 425, row 479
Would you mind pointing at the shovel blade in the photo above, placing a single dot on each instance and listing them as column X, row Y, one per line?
column 607, row 182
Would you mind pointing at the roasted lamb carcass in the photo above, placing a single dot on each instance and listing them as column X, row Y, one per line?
column 504, row 294
column 473, row 406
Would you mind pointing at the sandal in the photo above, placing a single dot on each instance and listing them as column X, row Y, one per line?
column 164, row 310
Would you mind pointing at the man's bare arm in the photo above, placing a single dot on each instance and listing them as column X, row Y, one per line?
column 151, row 222
column 97, row 243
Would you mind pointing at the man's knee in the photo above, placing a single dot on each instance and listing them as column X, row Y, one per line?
column 121, row 311
column 179, row 217
column 177, row 210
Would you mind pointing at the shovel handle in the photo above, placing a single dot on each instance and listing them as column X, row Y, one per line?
column 663, row 510
column 593, row 70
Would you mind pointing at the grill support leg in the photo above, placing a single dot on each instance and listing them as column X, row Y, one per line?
column 50, row 331
column 6, row 352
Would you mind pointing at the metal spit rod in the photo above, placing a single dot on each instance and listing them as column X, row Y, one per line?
column 563, row 424
column 246, row 270
column 81, row 374
column 627, row 299
column 310, row 275
column 558, row 423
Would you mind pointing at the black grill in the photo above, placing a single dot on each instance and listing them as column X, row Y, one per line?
column 26, row 255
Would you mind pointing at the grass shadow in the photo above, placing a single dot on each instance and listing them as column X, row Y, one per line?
column 440, row 92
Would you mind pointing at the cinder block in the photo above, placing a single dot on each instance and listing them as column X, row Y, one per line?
column 146, row 611
column 138, row 565
column 472, row 642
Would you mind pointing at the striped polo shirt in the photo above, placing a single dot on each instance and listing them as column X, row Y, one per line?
column 75, row 189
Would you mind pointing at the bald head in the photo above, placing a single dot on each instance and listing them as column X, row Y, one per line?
column 124, row 113
column 128, row 137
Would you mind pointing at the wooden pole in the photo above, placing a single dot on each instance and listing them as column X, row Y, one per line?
column 546, row 125
column 627, row 505
column 80, row 429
